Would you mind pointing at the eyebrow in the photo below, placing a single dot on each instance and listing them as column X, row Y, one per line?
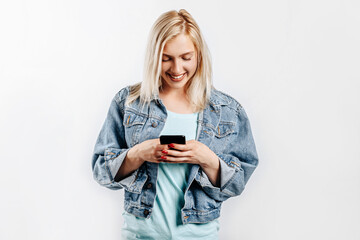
column 167, row 55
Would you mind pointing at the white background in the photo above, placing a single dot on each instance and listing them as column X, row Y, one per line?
column 293, row 65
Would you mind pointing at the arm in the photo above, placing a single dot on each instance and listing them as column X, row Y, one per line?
column 212, row 170
column 129, row 165
column 111, row 150
column 236, row 165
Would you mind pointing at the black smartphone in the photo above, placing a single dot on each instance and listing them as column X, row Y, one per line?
column 167, row 139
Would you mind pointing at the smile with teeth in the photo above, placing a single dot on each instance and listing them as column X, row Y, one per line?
column 179, row 77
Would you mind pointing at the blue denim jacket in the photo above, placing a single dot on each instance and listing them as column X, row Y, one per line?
column 223, row 126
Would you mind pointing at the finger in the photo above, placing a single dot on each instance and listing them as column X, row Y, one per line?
column 175, row 159
column 165, row 150
column 162, row 147
column 181, row 147
column 159, row 152
column 162, row 158
column 159, row 147
column 177, row 153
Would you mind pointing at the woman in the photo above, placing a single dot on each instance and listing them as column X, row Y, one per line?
column 174, row 191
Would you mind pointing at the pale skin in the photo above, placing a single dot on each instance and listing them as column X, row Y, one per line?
column 179, row 58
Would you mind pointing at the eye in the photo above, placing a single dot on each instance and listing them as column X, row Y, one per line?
column 187, row 59
column 166, row 60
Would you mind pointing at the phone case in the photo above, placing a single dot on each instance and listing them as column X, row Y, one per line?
column 167, row 139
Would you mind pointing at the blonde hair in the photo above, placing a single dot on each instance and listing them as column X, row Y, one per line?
column 169, row 25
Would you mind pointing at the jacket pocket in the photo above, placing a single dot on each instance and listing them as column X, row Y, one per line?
column 224, row 129
column 221, row 135
column 133, row 123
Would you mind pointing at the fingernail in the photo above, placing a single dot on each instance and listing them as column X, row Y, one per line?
column 164, row 151
column 163, row 157
column 171, row 145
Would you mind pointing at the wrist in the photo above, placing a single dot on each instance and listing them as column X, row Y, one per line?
column 132, row 155
column 211, row 163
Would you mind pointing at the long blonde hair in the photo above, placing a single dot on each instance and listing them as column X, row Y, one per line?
column 169, row 25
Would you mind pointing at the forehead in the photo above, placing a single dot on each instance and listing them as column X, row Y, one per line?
column 179, row 45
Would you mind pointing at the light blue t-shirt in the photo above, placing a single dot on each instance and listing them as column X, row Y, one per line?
column 165, row 220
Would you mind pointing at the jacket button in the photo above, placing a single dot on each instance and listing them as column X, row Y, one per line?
column 154, row 124
column 146, row 212
column 149, row 185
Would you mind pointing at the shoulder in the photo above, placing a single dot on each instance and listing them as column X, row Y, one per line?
column 118, row 100
column 220, row 98
column 122, row 94
column 126, row 94
column 232, row 109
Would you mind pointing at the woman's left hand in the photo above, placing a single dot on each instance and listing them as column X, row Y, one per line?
column 192, row 152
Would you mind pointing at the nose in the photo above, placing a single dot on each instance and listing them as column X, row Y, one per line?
column 176, row 67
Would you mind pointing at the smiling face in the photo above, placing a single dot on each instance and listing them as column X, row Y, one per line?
column 179, row 62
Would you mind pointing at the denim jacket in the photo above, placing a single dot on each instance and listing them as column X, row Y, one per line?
column 223, row 126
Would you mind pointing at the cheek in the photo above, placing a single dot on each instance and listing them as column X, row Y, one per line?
column 191, row 66
column 164, row 68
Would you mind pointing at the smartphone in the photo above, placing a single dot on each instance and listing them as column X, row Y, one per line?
column 167, row 139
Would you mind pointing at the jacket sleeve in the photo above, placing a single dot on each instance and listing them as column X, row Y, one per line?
column 110, row 150
column 236, row 165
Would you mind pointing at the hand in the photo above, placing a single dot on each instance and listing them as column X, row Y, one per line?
column 149, row 150
column 192, row 152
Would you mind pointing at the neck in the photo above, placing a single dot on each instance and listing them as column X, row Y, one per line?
column 176, row 101
column 173, row 93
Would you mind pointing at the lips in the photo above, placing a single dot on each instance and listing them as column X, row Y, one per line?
column 176, row 78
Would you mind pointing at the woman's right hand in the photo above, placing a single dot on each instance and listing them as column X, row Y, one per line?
column 149, row 150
